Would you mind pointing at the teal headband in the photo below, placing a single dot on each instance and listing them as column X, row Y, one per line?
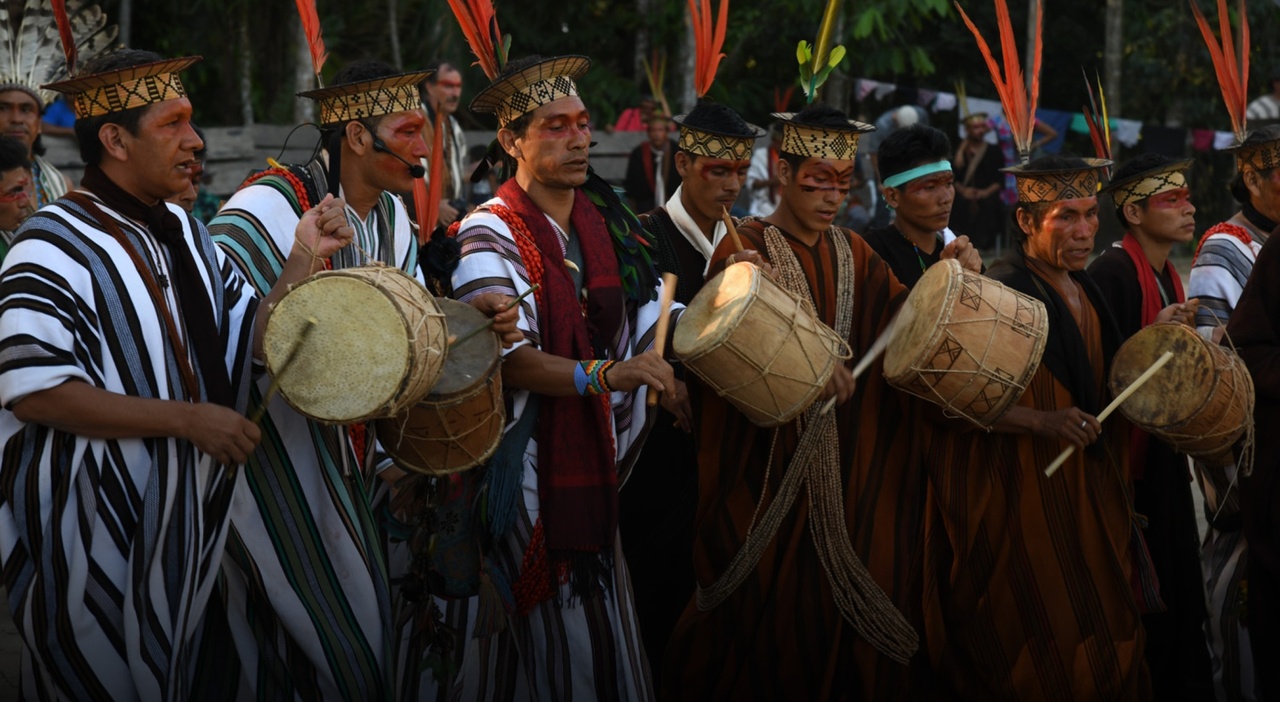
column 897, row 179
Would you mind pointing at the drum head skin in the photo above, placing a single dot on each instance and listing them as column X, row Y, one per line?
column 722, row 299
column 920, row 317
column 469, row 361
column 1179, row 390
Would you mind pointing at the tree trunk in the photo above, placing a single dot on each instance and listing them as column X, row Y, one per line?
column 246, row 68
column 393, row 22
column 125, row 22
column 1114, row 56
column 688, row 60
column 303, row 76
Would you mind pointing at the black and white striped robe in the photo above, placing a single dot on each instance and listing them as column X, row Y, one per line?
column 110, row 547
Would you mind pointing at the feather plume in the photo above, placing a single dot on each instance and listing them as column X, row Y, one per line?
column 421, row 205
column 782, row 98
column 817, row 60
column 34, row 47
column 962, row 99
column 1095, row 116
column 65, row 34
column 1019, row 103
column 311, row 29
column 1233, row 77
column 655, row 71
column 479, row 25
column 429, row 211
column 708, row 41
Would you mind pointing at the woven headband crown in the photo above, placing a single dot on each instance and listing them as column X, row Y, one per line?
column 816, row 141
column 518, row 93
column 123, row 89
column 368, row 98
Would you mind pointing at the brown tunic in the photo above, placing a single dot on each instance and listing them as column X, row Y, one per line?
column 1027, row 578
column 780, row 635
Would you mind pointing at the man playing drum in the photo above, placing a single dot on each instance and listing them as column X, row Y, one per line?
column 785, row 629
column 1141, row 286
column 306, row 503
column 920, row 188
column 127, row 337
column 577, row 401
column 660, row 498
column 1027, row 577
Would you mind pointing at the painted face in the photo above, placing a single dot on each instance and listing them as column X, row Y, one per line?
column 446, row 92
column 1169, row 216
column 15, row 198
column 162, row 154
column 1063, row 238
column 402, row 134
column 19, row 116
column 817, row 189
column 711, row 184
column 554, row 148
column 924, row 204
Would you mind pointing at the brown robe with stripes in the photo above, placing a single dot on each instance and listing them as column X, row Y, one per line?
column 1027, row 577
column 780, row 635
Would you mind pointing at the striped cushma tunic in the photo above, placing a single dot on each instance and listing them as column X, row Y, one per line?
column 110, row 547
column 567, row 648
column 1218, row 276
column 306, row 587
column 780, row 635
column 1027, row 577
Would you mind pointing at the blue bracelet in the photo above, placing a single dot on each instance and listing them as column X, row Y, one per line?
column 580, row 378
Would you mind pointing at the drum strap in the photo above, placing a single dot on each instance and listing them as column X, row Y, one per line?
column 816, row 465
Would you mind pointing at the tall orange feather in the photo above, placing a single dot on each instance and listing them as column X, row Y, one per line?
column 1019, row 103
column 429, row 211
column 64, row 32
column 311, row 29
column 480, row 27
column 1233, row 77
column 708, row 41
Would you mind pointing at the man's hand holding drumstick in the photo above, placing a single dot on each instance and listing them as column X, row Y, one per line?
column 1180, row 312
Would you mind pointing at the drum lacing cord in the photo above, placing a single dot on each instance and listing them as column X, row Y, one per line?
column 816, row 463
column 1244, row 464
column 996, row 322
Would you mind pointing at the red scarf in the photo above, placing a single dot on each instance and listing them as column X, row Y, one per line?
column 577, row 476
column 1152, row 303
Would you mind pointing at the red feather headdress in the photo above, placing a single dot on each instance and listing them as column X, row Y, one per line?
column 708, row 39
column 1233, row 78
column 1095, row 117
column 64, row 32
column 479, row 25
column 1019, row 103
column 315, row 42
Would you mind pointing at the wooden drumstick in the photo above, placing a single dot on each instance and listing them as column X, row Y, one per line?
column 1115, row 404
column 455, row 340
column 664, row 319
column 733, row 231
column 274, row 387
column 877, row 348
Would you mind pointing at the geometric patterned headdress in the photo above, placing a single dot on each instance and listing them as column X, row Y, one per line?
column 124, row 88
column 813, row 141
column 1054, row 184
column 368, row 98
column 517, row 94
column 1153, row 181
column 702, row 135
